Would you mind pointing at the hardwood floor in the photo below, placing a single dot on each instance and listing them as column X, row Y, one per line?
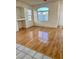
column 48, row 41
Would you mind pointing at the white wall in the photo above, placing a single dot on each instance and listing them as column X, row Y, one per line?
column 19, row 12
column 17, row 29
column 60, row 13
column 26, row 7
column 52, row 18
column 21, row 4
column 53, row 14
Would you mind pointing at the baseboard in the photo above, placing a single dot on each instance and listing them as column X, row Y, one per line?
column 41, row 26
column 60, row 27
column 44, row 27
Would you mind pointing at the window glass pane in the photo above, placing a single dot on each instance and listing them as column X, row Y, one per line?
column 43, row 16
column 43, row 9
column 29, row 18
column 29, row 15
column 29, row 12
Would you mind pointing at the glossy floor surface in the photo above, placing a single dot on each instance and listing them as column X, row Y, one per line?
column 48, row 41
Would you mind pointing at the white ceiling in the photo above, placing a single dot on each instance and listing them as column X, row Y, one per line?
column 34, row 2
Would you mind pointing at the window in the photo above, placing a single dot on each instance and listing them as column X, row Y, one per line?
column 42, row 14
column 29, row 15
